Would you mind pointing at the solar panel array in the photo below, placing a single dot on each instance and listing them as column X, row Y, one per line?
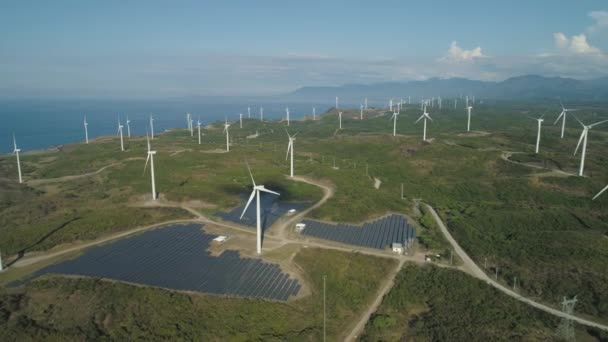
column 379, row 234
column 272, row 210
column 175, row 257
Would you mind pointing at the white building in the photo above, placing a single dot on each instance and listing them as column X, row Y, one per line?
column 220, row 239
column 398, row 248
column 300, row 227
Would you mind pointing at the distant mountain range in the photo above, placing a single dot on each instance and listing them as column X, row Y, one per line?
column 522, row 87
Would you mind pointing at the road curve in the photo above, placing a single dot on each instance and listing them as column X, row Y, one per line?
column 479, row 273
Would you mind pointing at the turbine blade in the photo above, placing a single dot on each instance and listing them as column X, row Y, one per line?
column 579, row 121
column 270, row 191
column 427, row 115
column 248, row 203
column 559, row 117
column 598, row 123
column 145, row 166
column 580, row 140
column 250, row 174
column 420, row 118
column 599, row 193
column 288, row 148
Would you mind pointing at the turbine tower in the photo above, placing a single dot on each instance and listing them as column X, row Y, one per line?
column 314, row 114
column 256, row 193
column 226, row 126
column 583, row 139
column 16, row 152
column 361, row 113
column 241, row 119
column 287, row 113
column 337, row 102
column 261, row 113
column 290, row 147
column 563, row 115
column 151, row 159
column 394, row 117
column 86, row 130
column 248, row 112
column 340, row 119
column 469, row 118
column 128, row 127
column 191, row 126
column 424, row 116
column 198, row 124
column 540, row 122
column 122, row 145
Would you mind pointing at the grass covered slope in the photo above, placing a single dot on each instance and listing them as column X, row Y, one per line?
column 435, row 304
column 77, row 309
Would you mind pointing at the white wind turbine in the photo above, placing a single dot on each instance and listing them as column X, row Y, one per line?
column 248, row 112
column 261, row 113
column 226, row 126
column 241, row 120
column 287, row 113
column 16, row 152
column 122, row 145
column 361, row 113
column 256, row 193
column 128, row 127
column 540, row 122
column 151, row 127
column 198, row 124
column 191, row 126
column 151, row 159
column 583, row 139
column 86, row 130
column 336, row 102
column 469, row 119
column 424, row 116
column 599, row 193
column 188, row 120
column 390, row 105
column 340, row 119
column 394, row 117
column 563, row 114
column 290, row 148
column 314, row 113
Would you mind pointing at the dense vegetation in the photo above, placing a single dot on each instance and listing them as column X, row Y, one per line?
column 437, row 304
column 76, row 309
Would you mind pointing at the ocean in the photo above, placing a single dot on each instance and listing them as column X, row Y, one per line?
column 40, row 124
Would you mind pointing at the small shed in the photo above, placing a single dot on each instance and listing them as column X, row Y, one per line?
column 397, row 248
column 300, row 227
column 220, row 239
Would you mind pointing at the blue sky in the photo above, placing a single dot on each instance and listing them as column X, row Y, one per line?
column 180, row 48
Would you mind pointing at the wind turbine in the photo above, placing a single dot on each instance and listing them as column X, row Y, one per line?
column 340, row 119
column 290, row 149
column 583, row 139
column 361, row 113
column 261, row 113
column 256, row 193
column 563, row 114
column 287, row 113
column 599, row 193
column 540, row 122
column 151, row 159
column 469, row 119
column 128, row 127
column 226, row 126
column 188, row 121
column 86, row 130
column 122, row 145
column 241, row 119
column 314, row 113
column 16, row 152
column 390, row 105
column 151, row 127
column 198, row 124
column 336, row 102
column 394, row 117
column 424, row 116
column 248, row 112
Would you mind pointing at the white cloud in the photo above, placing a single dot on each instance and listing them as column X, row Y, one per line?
column 577, row 44
column 457, row 54
column 601, row 20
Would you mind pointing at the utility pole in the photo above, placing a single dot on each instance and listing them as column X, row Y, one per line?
column 565, row 330
column 324, row 311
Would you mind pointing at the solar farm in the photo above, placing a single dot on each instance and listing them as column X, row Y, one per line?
column 272, row 210
column 176, row 257
column 378, row 234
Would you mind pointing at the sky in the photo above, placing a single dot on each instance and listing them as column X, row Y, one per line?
column 228, row 48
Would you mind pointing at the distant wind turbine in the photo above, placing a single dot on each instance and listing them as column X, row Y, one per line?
column 191, row 126
column 198, row 125
column 290, row 148
column 241, row 119
column 469, row 119
column 366, row 103
column 128, row 127
column 424, row 116
column 16, row 152
column 122, row 145
column 226, row 126
column 256, row 193
column 314, row 114
column 287, row 113
column 151, row 159
column 563, row 115
column 188, row 121
column 151, row 127
column 340, row 119
column 361, row 113
column 583, row 139
column 337, row 102
column 248, row 112
column 261, row 113
column 540, row 122
column 86, row 130
column 394, row 117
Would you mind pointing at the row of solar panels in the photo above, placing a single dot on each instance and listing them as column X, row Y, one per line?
column 378, row 234
column 176, row 258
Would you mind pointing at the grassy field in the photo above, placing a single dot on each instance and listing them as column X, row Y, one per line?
column 435, row 304
column 538, row 226
column 76, row 309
